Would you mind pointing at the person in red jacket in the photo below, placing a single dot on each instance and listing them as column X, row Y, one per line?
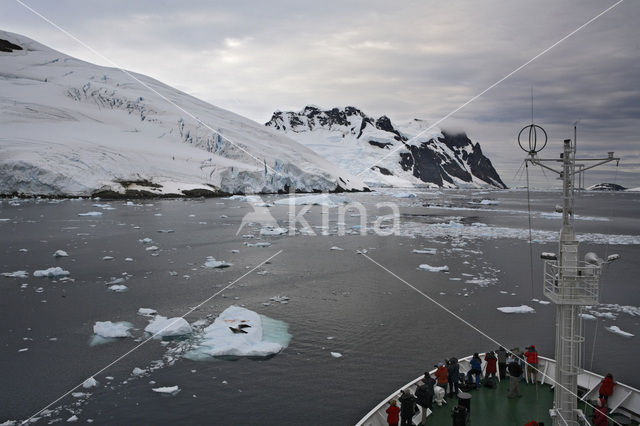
column 600, row 413
column 442, row 376
column 393, row 413
column 606, row 387
column 492, row 364
column 531, row 356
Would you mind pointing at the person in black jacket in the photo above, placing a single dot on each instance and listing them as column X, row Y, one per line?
column 502, row 362
column 453, row 370
column 407, row 408
column 515, row 371
column 424, row 397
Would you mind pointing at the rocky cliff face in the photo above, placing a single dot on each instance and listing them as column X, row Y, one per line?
column 384, row 153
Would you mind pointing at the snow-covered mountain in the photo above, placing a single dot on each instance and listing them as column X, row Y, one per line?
column 69, row 127
column 383, row 153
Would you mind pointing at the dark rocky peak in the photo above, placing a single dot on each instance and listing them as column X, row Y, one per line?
column 7, row 46
column 384, row 123
column 350, row 111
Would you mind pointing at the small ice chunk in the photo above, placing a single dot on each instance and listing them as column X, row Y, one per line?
column 587, row 317
column 90, row 383
column 167, row 327
column 489, row 202
column 213, row 263
column 112, row 329
column 90, row 214
column 616, row 330
column 118, row 288
column 128, row 259
column 167, row 390
column 72, row 419
column 107, row 258
column 23, row 350
column 270, row 230
column 336, row 248
column 60, row 253
column 147, row 312
column 152, row 248
column 430, row 268
column 405, row 195
column 235, row 251
column 146, row 240
column 336, row 354
column 51, row 272
column 259, row 244
column 138, row 371
column 424, row 251
column 23, row 250
column 16, row 274
column 522, row 309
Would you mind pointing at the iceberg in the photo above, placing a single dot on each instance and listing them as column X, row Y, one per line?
column 616, row 330
column 112, row 329
column 167, row 390
column 168, row 327
column 51, row 272
column 523, row 309
column 240, row 332
column 430, row 268
column 60, row 253
column 16, row 274
column 213, row 263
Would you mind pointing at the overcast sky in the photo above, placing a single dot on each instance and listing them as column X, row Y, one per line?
column 403, row 59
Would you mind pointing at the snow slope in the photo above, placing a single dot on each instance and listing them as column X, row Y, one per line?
column 384, row 153
column 73, row 128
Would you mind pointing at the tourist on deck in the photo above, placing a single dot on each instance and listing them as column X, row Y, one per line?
column 501, row 353
column 519, row 356
column 476, row 368
column 606, row 387
column 600, row 413
column 492, row 361
column 453, row 372
column 407, row 407
column 515, row 371
column 424, row 397
column 532, row 363
column 442, row 378
column 393, row 413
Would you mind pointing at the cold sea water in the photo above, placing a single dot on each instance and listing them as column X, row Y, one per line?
column 336, row 300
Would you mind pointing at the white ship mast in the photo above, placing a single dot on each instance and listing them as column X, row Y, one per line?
column 568, row 283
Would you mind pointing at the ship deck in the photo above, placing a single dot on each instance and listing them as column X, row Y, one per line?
column 490, row 406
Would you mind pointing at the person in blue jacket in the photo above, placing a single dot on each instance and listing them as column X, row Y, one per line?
column 476, row 368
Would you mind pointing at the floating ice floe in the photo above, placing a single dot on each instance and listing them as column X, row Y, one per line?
column 424, row 251
column 147, row 312
column 146, row 240
column 489, row 202
column 118, row 288
column 152, row 248
column 72, row 419
column 138, row 372
column 336, row 248
column 271, row 231
column 522, row 309
column 90, row 383
column 107, row 258
column 51, row 272
column 110, row 329
column 104, row 206
column 90, row 214
column 336, row 354
column 168, row 327
column 213, row 263
column 60, row 253
column 315, row 200
column 167, row 390
column 587, row 317
column 240, row 332
column 616, row 330
column 16, row 274
column 430, row 268
column 259, row 244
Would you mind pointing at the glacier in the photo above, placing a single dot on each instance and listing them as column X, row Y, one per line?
column 72, row 128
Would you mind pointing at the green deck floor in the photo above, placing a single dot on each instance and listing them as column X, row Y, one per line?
column 491, row 407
